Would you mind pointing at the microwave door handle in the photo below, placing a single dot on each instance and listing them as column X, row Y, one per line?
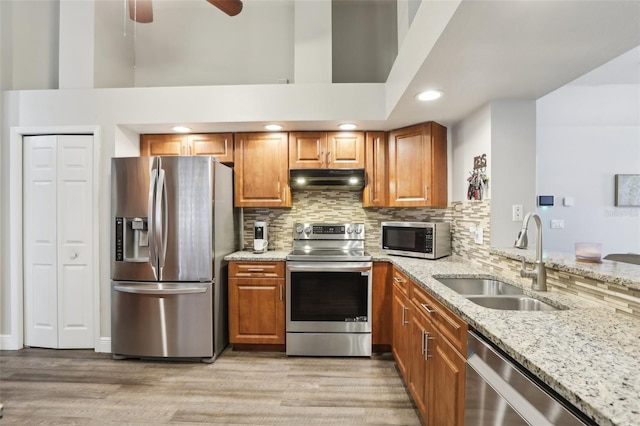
column 153, row 252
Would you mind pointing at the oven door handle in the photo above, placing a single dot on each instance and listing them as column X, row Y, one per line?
column 329, row 267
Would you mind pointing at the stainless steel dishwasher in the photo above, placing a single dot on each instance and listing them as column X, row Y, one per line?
column 499, row 392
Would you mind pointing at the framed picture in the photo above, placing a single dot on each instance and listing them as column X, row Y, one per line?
column 627, row 190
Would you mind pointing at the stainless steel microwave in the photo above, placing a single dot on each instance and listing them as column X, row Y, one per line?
column 427, row 240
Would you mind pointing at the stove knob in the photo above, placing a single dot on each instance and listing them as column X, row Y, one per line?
column 299, row 229
column 307, row 230
column 358, row 229
column 349, row 229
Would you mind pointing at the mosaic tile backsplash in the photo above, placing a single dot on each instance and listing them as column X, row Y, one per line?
column 346, row 206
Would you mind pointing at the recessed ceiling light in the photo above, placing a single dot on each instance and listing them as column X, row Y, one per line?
column 429, row 95
column 181, row 129
column 347, row 126
column 273, row 127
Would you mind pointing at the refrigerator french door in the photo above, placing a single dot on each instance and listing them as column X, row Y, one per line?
column 172, row 224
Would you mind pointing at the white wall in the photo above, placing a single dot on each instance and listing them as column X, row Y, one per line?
column 586, row 135
column 114, row 48
column 253, row 47
column 31, row 56
column 505, row 131
column 513, row 167
column 469, row 138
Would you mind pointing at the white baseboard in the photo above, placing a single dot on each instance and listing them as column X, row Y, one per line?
column 9, row 343
column 104, row 345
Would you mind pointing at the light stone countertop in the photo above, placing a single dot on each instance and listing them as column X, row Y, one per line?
column 623, row 274
column 588, row 354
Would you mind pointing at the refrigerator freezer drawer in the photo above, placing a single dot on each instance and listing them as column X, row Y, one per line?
column 168, row 320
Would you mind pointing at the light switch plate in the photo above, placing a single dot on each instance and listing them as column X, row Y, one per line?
column 479, row 236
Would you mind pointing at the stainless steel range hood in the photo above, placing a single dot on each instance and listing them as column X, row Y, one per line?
column 349, row 179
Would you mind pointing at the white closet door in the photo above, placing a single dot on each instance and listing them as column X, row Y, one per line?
column 75, row 241
column 40, row 242
column 58, row 239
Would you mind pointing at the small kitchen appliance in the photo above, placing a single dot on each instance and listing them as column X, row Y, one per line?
column 260, row 236
column 328, row 287
column 426, row 240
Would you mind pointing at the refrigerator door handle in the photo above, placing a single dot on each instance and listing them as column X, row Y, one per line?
column 161, row 219
column 153, row 252
column 158, row 291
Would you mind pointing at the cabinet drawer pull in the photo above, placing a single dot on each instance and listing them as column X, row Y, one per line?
column 399, row 280
column 255, row 269
column 423, row 349
column 322, row 158
column 280, row 292
column 329, row 157
column 426, row 308
column 404, row 316
column 426, row 338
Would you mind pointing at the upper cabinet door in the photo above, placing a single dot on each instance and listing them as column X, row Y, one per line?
column 152, row 145
column 418, row 166
column 220, row 145
column 375, row 191
column 307, row 150
column 261, row 170
column 322, row 150
column 345, row 150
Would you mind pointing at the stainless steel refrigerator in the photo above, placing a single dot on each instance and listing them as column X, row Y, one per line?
column 172, row 221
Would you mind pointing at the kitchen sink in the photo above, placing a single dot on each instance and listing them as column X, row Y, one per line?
column 511, row 303
column 479, row 286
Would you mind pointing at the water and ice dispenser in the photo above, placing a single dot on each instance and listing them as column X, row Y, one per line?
column 132, row 239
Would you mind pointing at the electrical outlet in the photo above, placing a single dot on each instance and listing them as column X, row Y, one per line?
column 517, row 213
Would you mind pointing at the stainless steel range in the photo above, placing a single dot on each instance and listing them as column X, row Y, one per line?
column 328, row 291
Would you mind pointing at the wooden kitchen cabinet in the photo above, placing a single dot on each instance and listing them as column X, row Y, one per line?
column 400, row 322
column 417, row 166
column 381, row 307
column 375, row 191
column 261, row 170
column 219, row 145
column 256, row 303
column 326, row 150
column 429, row 346
column 437, row 366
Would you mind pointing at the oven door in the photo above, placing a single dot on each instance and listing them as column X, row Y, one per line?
column 329, row 297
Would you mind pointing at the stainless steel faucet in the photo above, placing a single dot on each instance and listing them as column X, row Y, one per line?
column 538, row 273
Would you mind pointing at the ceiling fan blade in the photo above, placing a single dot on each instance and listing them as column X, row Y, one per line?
column 230, row 7
column 140, row 11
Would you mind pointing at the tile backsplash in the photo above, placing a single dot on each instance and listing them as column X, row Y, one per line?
column 346, row 206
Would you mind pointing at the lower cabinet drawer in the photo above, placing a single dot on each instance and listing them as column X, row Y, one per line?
column 256, row 269
column 453, row 328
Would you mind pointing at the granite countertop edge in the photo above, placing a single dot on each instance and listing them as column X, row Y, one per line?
column 590, row 357
column 609, row 271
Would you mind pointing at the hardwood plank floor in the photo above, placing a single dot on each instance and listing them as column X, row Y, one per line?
column 81, row 387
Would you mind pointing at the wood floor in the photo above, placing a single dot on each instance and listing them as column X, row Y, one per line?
column 71, row 387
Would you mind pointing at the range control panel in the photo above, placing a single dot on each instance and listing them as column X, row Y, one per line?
column 328, row 231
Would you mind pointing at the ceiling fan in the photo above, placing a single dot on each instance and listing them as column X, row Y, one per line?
column 142, row 12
